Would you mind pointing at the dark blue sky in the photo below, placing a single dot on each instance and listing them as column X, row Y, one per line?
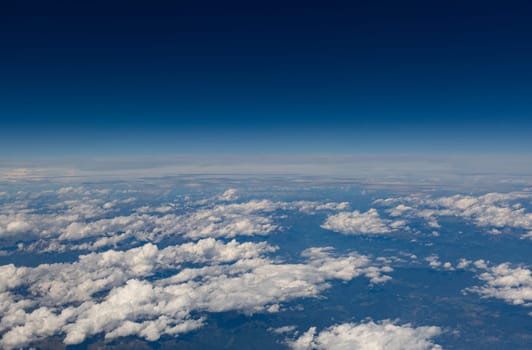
column 186, row 77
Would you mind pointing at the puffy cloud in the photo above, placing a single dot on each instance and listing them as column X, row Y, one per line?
column 249, row 286
column 497, row 210
column 435, row 263
column 513, row 285
column 463, row 263
column 361, row 223
column 148, row 291
column 368, row 336
column 118, row 293
column 80, row 230
column 68, row 282
column 25, row 220
column 82, row 219
column 18, row 226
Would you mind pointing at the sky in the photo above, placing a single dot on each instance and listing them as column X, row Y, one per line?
column 136, row 78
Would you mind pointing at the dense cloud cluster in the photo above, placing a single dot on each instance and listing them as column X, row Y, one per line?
column 148, row 290
column 62, row 296
column 370, row 335
column 95, row 221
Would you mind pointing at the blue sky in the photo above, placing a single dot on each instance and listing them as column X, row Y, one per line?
column 128, row 78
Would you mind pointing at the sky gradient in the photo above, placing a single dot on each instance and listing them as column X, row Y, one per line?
column 196, row 77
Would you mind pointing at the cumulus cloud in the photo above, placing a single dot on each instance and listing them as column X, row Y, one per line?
column 361, row 223
column 89, row 223
column 435, row 263
column 368, row 336
column 502, row 281
column 95, row 272
column 118, row 293
column 463, row 263
column 18, row 226
column 26, row 219
column 513, row 285
column 494, row 210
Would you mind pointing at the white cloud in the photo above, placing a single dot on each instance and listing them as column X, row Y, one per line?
column 74, row 220
column 369, row 335
column 480, row 264
column 513, row 285
column 463, row 263
column 234, row 276
column 284, row 329
column 64, row 283
column 18, row 226
column 448, row 266
column 495, row 210
column 310, row 207
column 434, row 261
column 361, row 223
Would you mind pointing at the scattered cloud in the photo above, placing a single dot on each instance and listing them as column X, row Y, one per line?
column 435, row 263
column 511, row 284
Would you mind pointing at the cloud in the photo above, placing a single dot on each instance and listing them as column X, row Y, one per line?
column 435, row 263
column 121, row 293
column 310, row 207
column 513, row 285
column 355, row 223
column 95, row 272
column 495, row 210
column 18, row 226
column 27, row 218
column 90, row 223
column 284, row 329
column 370, row 335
